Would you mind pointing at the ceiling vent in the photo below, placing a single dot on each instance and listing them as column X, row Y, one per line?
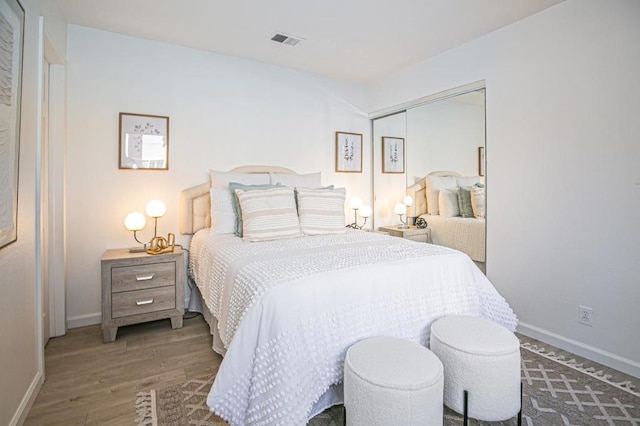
column 286, row 39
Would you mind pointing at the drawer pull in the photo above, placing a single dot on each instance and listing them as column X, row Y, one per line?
column 144, row 277
column 144, row 302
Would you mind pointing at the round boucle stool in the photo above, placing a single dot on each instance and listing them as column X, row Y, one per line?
column 390, row 381
column 483, row 359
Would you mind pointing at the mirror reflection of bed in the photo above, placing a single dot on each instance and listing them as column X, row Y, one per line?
column 443, row 136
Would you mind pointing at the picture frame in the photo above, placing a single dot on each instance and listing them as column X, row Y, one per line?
column 143, row 142
column 12, row 42
column 481, row 160
column 392, row 154
column 348, row 152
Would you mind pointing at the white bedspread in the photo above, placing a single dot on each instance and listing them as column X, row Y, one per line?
column 466, row 234
column 288, row 310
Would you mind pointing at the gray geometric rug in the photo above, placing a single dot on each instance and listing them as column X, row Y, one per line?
column 555, row 392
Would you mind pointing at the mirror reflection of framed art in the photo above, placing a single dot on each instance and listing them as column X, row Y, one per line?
column 392, row 155
column 143, row 142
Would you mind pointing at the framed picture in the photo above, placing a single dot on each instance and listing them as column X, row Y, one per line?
column 143, row 142
column 348, row 152
column 392, row 155
column 481, row 160
column 11, row 41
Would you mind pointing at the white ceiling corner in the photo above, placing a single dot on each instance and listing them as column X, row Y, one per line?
column 357, row 40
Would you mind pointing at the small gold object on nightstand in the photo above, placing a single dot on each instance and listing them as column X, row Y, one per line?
column 159, row 245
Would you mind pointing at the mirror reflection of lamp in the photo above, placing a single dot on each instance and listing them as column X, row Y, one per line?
column 136, row 222
column 401, row 210
column 356, row 205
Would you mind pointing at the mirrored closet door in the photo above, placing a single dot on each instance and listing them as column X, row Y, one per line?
column 447, row 135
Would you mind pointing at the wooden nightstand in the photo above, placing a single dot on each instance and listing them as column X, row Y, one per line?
column 140, row 287
column 411, row 233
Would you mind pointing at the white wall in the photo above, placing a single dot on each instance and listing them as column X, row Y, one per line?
column 18, row 314
column 224, row 112
column 562, row 168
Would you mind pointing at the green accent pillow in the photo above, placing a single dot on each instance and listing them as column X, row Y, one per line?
column 236, row 204
column 464, row 201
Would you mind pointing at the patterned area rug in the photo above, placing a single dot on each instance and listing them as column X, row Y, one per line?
column 556, row 392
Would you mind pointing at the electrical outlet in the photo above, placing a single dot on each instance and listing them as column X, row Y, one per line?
column 585, row 315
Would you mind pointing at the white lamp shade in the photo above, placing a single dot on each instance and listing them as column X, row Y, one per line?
column 401, row 208
column 355, row 203
column 156, row 208
column 365, row 211
column 135, row 221
column 408, row 201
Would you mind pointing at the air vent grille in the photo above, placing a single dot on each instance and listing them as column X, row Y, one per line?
column 286, row 39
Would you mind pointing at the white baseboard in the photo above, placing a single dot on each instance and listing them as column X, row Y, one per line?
column 27, row 401
column 84, row 320
column 592, row 353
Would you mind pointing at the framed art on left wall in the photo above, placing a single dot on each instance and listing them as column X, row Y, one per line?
column 11, row 46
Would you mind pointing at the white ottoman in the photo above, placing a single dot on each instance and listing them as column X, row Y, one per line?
column 390, row 381
column 483, row 358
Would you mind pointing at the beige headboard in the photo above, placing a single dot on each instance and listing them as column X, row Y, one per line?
column 195, row 202
column 418, row 192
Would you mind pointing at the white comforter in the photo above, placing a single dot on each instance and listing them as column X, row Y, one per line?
column 288, row 310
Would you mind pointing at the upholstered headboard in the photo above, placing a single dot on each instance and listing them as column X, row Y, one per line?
column 195, row 202
column 418, row 193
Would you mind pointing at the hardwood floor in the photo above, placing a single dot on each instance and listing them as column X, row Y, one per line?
column 93, row 383
column 88, row 382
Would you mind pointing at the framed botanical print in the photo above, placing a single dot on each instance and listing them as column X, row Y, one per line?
column 348, row 152
column 143, row 142
column 11, row 42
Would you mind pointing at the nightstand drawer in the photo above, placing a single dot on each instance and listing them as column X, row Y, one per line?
column 419, row 238
column 138, row 277
column 136, row 302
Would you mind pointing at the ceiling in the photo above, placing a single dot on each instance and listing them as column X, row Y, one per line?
column 356, row 40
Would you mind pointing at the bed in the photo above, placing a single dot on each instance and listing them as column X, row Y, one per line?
column 284, row 312
column 466, row 234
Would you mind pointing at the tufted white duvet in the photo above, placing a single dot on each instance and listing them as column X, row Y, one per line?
column 287, row 311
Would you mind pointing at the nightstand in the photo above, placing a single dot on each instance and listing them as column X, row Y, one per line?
column 140, row 287
column 411, row 233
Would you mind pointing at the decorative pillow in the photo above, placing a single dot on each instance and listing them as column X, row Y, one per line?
column 464, row 201
column 448, row 202
column 234, row 199
column 223, row 216
column 269, row 214
column 321, row 211
column 222, row 179
column 477, row 201
column 467, row 181
column 433, row 186
column 311, row 180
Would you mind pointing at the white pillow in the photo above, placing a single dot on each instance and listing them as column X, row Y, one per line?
column 477, row 202
column 448, row 202
column 321, row 211
column 222, row 179
column 223, row 216
column 311, row 180
column 269, row 214
column 433, row 186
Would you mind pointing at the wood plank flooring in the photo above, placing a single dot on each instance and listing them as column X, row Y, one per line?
column 88, row 382
column 92, row 383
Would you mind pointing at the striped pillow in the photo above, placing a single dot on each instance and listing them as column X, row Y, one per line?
column 269, row 214
column 321, row 211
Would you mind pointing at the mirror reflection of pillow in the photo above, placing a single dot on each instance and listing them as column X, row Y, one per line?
column 477, row 201
column 448, row 202
column 433, row 186
column 464, row 201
